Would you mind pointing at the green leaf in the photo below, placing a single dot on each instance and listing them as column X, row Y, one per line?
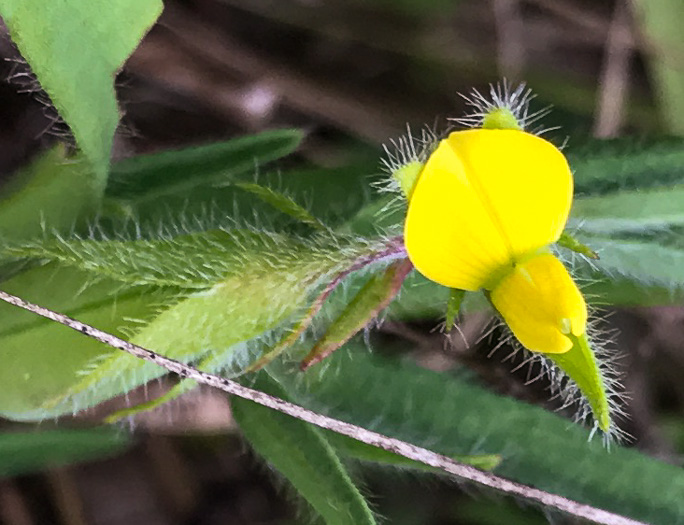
column 41, row 359
column 213, row 321
column 282, row 203
column 52, row 192
column 369, row 301
column 646, row 262
column 634, row 272
column 302, row 454
column 145, row 178
column 603, row 166
column 635, row 211
column 628, row 292
column 27, row 452
column 452, row 416
column 75, row 51
column 195, row 261
column 216, row 321
column 253, row 298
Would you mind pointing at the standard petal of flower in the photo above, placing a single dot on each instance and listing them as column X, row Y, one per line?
column 541, row 304
column 523, row 180
column 484, row 199
column 449, row 233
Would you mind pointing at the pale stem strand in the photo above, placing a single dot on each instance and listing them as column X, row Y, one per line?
column 407, row 450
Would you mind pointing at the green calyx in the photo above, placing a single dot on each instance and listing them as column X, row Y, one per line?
column 501, row 118
column 568, row 241
column 407, row 176
column 580, row 364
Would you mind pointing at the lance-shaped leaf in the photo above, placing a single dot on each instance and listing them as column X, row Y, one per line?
column 145, row 179
column 75, row 52
column 636, row 211
column 214, row 362
column 27, row 452
column 39, row 359
column 648, row 260
column 244, row 285
column 234, row 311
column 633, row 272
column 194, row 261
column 281, row 202
column 373, row 297
column 452, row 415
column 604, row 166
column 302, row 454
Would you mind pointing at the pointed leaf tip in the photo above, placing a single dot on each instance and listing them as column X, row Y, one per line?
column 375, row 295
column 581, row 366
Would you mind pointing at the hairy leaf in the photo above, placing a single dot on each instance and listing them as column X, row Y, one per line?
column 370, row 300
column 282, row 203
column 41, row 359
column 604, row 166
column 634, row 271
column 302, row 454
column 450, row 415
column 75, row 52
column 254, row 297
column 635, row 211
column 194, row 261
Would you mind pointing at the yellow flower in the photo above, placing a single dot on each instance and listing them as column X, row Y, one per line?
column 482, row 213
column 484, row 206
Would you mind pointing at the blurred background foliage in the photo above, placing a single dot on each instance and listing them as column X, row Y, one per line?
column 351, row 75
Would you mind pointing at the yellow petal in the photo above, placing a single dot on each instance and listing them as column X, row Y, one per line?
column 541, row 304
column 484, row 199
